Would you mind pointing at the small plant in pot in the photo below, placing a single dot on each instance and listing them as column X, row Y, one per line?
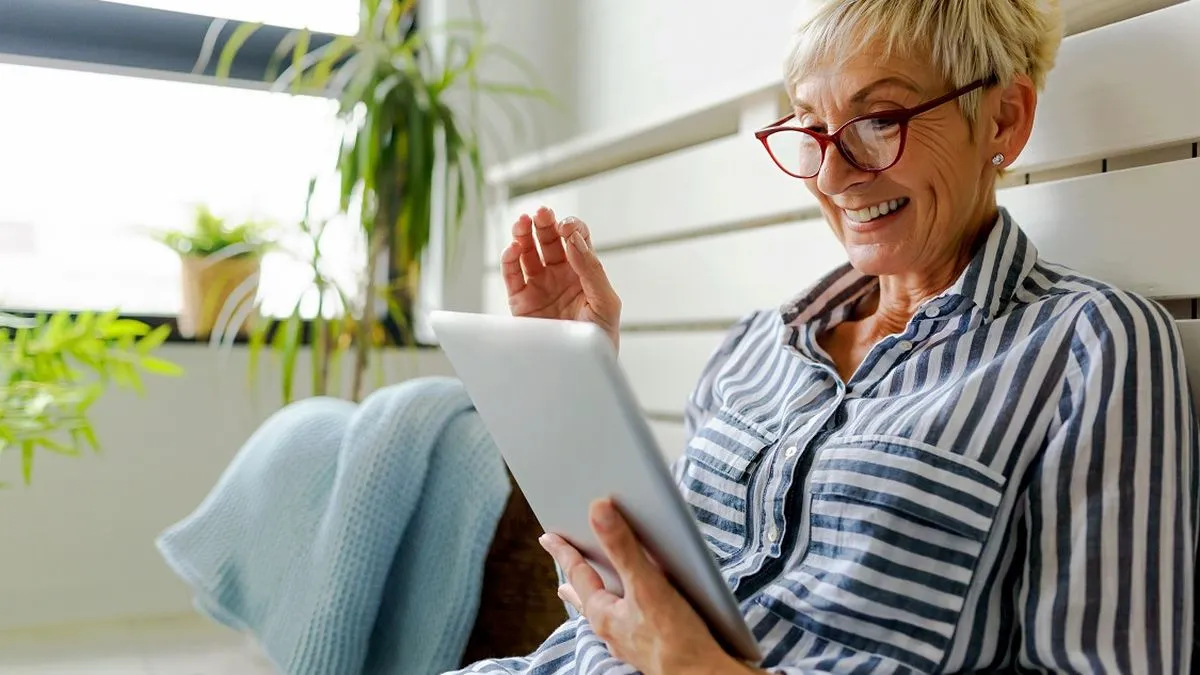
column 218, row 261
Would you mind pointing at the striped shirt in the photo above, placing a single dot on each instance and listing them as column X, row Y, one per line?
column 1007, row 485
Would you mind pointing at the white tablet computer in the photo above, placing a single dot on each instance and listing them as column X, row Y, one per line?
column 560, row 410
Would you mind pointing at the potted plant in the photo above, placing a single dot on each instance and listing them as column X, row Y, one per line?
column 53, row 369
column 411, row 121
column 216, row 259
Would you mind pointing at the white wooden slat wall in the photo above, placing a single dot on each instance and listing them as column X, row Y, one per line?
column 695, row 238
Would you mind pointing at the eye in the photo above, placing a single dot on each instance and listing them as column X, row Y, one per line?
column 882, row 124
column 808, row 122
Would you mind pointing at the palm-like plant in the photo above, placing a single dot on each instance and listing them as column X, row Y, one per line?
column 411, row 119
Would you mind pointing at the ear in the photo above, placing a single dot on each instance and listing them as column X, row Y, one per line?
column 1008, row 121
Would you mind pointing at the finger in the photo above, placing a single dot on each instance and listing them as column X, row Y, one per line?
column 620, row 543
column 531, row 262
column 569, row 596
column 510, row 269
column 547, row 236
column 591, row 273
column 569, row 226
column 582, row 577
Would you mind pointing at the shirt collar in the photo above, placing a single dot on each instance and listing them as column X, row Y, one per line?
column 995, row 273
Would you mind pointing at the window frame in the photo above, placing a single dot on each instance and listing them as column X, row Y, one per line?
column 155, row 42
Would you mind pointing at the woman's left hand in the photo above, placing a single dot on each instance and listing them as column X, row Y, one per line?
column 652, row 627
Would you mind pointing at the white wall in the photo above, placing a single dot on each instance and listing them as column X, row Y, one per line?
column 78, row 545
column 642, row 59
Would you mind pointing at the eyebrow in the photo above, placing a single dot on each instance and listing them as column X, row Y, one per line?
column 863, row 93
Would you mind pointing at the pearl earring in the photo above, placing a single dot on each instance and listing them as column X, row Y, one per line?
column 998, row 159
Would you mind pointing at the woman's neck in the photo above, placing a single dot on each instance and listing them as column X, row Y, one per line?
column 900, row 296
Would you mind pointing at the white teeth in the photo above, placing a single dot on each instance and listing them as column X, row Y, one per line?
column 872, row 212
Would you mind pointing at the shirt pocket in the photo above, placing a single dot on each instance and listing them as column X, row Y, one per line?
column 896, row 529
column 716, row 480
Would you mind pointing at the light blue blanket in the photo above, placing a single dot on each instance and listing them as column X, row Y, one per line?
column 350, row 539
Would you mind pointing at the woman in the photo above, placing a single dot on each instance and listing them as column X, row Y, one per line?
column 946, row 456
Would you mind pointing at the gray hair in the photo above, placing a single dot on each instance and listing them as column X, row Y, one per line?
column 965, row 40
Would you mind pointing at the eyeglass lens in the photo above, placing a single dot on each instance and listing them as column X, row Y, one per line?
column 870, row 144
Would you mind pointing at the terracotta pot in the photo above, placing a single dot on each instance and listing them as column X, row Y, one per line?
column 208, row 284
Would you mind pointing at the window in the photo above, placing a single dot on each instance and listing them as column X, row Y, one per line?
column 93, row 161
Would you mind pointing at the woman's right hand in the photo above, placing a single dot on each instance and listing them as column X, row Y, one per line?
column 566, row 281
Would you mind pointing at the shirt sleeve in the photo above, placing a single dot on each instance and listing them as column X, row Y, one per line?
column 1110, row 513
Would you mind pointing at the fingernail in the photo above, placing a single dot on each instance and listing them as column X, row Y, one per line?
column 605, row 518
column 544, row 540
column 578, row 242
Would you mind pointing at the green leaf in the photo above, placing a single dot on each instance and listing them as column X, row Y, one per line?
column 58, row 448
column 281, row 50
column 27, row 461
column 298, row 54
column 154, row 339
column 124, row 328
column 239, row 37
column 257, row 340
column 90, row 436
column 336, row 51
column 290, row 350
column 157, row 366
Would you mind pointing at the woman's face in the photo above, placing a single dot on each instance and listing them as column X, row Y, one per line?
column 937, row 194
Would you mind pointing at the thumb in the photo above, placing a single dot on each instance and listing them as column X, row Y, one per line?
column 586, row 263
column 620, row 544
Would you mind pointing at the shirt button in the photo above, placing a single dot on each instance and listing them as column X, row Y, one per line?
column 933, row 312
column 904, row 345
column 790, row 452
column 772, row 535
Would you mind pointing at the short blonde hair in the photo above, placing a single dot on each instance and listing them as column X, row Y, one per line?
column 964, row 40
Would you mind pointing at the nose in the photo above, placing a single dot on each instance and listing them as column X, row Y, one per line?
column 837, row 175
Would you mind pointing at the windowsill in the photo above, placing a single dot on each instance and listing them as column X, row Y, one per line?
column 176, row 337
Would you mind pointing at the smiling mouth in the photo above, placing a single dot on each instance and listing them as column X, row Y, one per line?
column 875, row 212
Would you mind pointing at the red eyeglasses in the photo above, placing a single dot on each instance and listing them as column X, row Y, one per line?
column 872, row 142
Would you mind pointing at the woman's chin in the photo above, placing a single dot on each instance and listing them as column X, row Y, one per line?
column 875, row 260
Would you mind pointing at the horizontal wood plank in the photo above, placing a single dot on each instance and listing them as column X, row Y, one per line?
column 1120, row 88
column 663, row 384
column 1132, row 228
column 1085, row 15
